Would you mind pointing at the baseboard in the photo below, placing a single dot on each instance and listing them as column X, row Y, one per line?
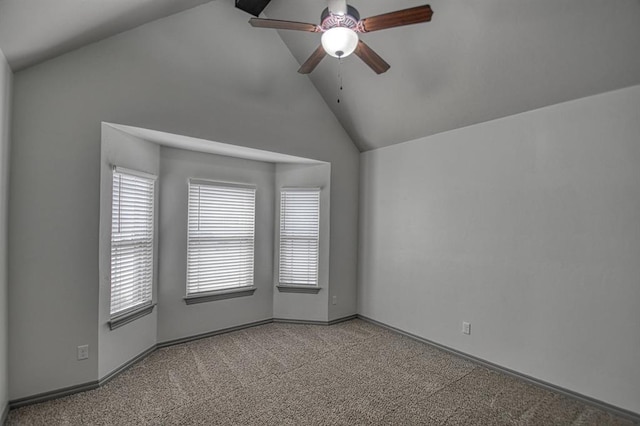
column 634, row 417
column 54, row 394
column 5, row 414
column 212, row 333
column 343, row 319
column 46, row 396
column 312, row 322
column 126, row 365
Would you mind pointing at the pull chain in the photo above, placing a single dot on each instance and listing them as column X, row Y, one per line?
column 340, row 76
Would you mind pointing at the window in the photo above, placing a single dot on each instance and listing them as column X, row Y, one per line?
column 220, row 236
column 131, row 240
column 299, row 233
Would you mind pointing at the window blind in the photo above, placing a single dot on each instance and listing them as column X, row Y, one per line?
column 220, row 245
column 299, row 234
column 131, row 240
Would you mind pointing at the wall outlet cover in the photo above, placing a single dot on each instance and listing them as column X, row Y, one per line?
column 466, row 327
column 83, row 352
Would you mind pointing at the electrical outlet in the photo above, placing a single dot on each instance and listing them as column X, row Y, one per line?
column 466, row 327
column 334, row 300
column 83, row 352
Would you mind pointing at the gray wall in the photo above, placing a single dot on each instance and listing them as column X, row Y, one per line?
column 177, row 319
column 204, row 73
column 5, row 108
column 528, row 227
column 173, row 319
column 116, row 347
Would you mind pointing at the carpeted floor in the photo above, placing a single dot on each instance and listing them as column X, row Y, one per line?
column 352, row 373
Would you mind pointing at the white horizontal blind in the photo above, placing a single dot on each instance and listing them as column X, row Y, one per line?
column 299, row 233
column 131, row 240
column 220, row 237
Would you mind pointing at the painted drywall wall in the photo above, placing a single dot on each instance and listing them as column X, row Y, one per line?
column 5, row 109
column 204, row 73
column 527, row 227
column 176, row 318
column 116, row 347
column 305, row 306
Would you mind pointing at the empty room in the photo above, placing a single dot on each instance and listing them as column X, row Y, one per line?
column 308, row 212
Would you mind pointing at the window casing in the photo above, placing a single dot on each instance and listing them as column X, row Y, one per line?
column 132, row 242
column 299, row 236
column 221, row 236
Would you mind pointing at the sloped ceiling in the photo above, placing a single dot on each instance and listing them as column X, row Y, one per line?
column 32, row 31
column 476, row 60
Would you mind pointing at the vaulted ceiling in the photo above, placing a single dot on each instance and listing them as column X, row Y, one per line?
column 476, row 61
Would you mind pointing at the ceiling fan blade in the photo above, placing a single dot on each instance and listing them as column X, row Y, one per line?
column 313, row 61
column 413, row 15
column 371, row 58
column 282, row 25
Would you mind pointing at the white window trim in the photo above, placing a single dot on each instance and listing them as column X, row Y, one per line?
column 144, row 175
column 226, row 291
column 292, row 286
column 130, row 313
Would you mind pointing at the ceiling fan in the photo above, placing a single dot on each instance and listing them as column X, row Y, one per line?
column 340, row 24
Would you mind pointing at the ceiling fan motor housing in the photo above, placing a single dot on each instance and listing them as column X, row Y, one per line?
column 349, row 20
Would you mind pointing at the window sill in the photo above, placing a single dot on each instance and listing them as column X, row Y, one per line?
column 219, row 295
column 120, row 320
column 298, row 289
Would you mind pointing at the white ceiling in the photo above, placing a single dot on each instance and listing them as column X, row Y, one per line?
column 211, row 147
column 476, row 61
column 32, row 31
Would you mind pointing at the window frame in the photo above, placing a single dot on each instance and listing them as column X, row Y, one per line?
column 133, row 311
column 285, row 285
column 227, row 291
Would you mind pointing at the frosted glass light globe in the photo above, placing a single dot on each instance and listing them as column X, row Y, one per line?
column 339, row 42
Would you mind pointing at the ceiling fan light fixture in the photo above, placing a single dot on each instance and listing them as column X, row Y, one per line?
column 339, row 42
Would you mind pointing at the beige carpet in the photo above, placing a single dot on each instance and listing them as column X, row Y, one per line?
column 353, row 373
